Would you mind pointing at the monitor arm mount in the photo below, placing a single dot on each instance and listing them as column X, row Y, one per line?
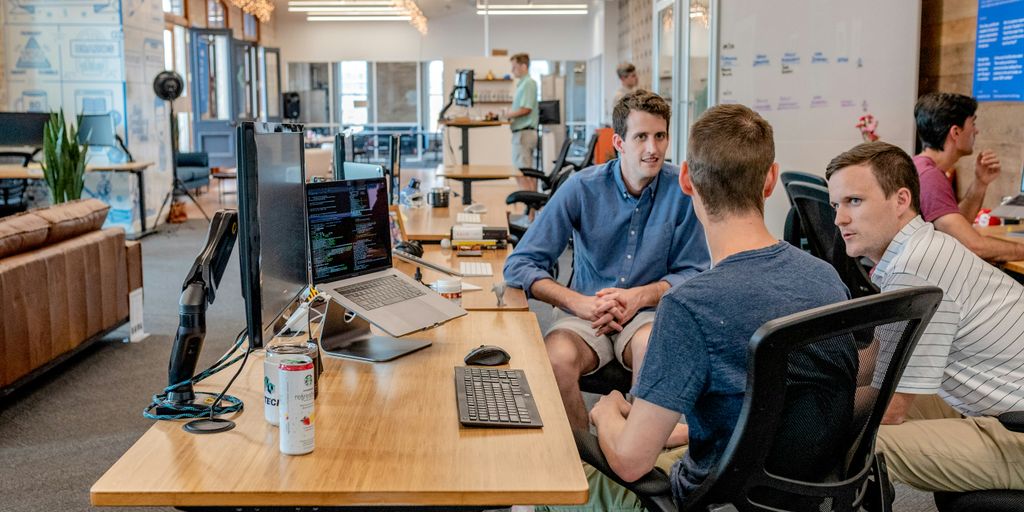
column 198, row 293
column 451, row 99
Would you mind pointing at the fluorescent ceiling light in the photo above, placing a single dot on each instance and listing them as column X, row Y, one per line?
column 358, row 18
column 530, row 13
column 369, row 9
column 531, row 6
column 337, row 3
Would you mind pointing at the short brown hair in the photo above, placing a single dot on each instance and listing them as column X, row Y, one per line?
column 521, row 58
column 625, row 69
column 730, row 152
column 891, row 166
column 641, row 101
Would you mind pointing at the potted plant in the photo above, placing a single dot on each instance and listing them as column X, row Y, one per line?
column 63, row 159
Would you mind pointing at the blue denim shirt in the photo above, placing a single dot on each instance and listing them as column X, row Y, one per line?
column 619, row 240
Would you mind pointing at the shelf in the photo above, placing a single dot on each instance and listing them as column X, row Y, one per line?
column 492, row 80
column 494, row 102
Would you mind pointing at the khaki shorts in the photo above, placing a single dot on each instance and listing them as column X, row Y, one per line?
column 523, row 144
column 607, row 347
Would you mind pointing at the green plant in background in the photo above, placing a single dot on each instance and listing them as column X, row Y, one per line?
column 63, row 159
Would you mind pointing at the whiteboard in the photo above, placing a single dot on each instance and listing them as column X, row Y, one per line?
column 812, row 68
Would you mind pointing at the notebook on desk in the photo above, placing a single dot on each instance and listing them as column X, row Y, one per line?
column 350, row 253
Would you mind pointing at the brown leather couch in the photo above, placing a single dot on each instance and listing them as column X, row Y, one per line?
column 64, row 283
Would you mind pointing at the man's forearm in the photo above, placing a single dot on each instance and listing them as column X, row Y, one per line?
column 971, row 203
column 520, row 112
column 552, row 292
column 653, row 293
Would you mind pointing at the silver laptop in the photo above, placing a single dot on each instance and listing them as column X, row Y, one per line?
column 1014, row 208
column 350, row 251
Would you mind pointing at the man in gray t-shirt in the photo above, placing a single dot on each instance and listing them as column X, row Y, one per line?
column 696, row 360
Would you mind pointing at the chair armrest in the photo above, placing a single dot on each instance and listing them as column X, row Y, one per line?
column 1013, row 420
column 533, row 173
column 654, row 483
column 531, row 199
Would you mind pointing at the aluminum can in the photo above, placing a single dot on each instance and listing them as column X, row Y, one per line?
column 295, row 410
column 274, row 354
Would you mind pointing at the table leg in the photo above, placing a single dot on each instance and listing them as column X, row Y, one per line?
column 465, row 146
column 142, row 200
column 467, row 191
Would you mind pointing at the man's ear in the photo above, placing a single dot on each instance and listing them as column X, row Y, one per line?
column 771, row 180
column 953, row 135
column 617, row 143
column 904, row 200
column 684, row 179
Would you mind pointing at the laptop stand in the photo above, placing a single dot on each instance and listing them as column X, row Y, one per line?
column 347, row 335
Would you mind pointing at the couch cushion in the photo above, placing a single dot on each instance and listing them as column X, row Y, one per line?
column 22, row 232
column 68, row 220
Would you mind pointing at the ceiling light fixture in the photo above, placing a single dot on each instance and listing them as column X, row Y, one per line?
column 361, row 10
column 359, row 18
column 493, row 12
column 376, row 9
column 531, row 6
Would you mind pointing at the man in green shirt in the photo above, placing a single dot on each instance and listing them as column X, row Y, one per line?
column 524, row 119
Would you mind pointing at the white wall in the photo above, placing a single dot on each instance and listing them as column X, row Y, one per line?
column 459, row 34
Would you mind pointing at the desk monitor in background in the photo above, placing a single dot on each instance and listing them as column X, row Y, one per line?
column 98, row 130
column 549, row 112
column 464, row 88
column 272, row 225
column 395, row 172
column 344, row 154
column 22, row 128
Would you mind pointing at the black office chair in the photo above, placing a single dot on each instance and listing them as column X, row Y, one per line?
column 12, row 191
column 546, row 180
column 791, row 231
column 817, row 223
column 588, row 157
column 754, row 472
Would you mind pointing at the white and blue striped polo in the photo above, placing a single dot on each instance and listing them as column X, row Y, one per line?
column 972, row 352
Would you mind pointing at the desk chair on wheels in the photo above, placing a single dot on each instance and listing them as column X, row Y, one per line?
column 12, row 191
column 817, row 223
column 746, row 477
column 993, row 500
column 792, row 232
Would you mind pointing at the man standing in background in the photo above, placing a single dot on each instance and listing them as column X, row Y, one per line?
column 628, row 79
column 524, row 117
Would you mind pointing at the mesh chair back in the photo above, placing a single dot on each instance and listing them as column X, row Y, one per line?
column 800, row 177
column 805, row 435
column 563, row 153
column 588, row 157
column 817, row 223
column 12, row 191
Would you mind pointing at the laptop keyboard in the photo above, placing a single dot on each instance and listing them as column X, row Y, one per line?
column 494, row 398
column 379, row 292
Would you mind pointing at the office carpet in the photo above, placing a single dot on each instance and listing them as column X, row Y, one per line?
column 59, row 434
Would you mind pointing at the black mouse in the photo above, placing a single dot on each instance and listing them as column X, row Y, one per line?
column 410, row 247
column 487, row 355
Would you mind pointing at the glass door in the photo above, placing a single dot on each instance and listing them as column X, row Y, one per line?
column 271, row 74
column 665, row 65
column 212, row 120
column 246, row 84
column 700, row 59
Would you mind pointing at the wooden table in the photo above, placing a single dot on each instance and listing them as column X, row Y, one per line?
column 467, row 174
column 434, row 224
column 482, row 300
column 386, row 434
column 34, row 171
column 1006, row 233
column 465, row 125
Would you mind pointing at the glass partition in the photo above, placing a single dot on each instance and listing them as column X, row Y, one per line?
column 396, row 101
column 312, row 82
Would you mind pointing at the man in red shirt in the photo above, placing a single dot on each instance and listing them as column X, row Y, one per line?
column 946, row 125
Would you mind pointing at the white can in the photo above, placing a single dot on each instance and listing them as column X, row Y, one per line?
column 450, row 289
column 295, row 409
column 274, row 355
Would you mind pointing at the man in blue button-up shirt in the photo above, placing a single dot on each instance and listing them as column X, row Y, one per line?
column 635, row 235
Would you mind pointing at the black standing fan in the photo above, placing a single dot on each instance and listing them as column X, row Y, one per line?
column 168, row 85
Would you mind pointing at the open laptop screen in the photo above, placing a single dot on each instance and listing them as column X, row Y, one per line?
column 349, row 231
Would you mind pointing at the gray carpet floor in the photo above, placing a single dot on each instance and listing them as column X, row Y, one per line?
column 59, row 434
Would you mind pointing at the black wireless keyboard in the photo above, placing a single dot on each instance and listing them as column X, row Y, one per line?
column 490, row 397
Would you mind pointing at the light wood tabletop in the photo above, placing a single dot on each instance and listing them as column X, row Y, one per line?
column 434, row 224
column 386, row 434
column 468, row 123
column 484, row 299
column 1011, row 233
column 477, row 172
column 35, row 171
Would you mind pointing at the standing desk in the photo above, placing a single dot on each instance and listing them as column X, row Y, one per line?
column 467, row 174
column 34, row 171
column 434, row 224
column 465, row 125
column 386, row 434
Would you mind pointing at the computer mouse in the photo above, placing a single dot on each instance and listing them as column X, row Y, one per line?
column 487, row 355
column 410, row 247
column 475, row 208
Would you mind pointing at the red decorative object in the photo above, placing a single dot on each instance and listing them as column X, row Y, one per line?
column 867, row 124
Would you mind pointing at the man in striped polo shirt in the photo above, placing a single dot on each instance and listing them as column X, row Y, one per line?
column 971, row 354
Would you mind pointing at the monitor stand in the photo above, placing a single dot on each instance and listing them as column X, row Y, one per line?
column 347, row 335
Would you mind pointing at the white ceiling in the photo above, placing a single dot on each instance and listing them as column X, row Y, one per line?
column 441, row 8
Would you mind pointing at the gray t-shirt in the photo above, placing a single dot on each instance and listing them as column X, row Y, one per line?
column 696, row 362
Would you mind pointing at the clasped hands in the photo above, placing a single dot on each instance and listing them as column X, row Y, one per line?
column 609, row 309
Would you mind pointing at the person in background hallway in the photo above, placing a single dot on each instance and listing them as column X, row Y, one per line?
column 970, row 359
column 524, row 116
column 627, row 79
column 947, row 126
column 635, row 235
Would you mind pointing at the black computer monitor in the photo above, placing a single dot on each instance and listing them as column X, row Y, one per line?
column 344, row 151
column 464, row 87
column 97, row 130
column 272, row 225
column 549, row 112
column 395, row 170
column 22, row 128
